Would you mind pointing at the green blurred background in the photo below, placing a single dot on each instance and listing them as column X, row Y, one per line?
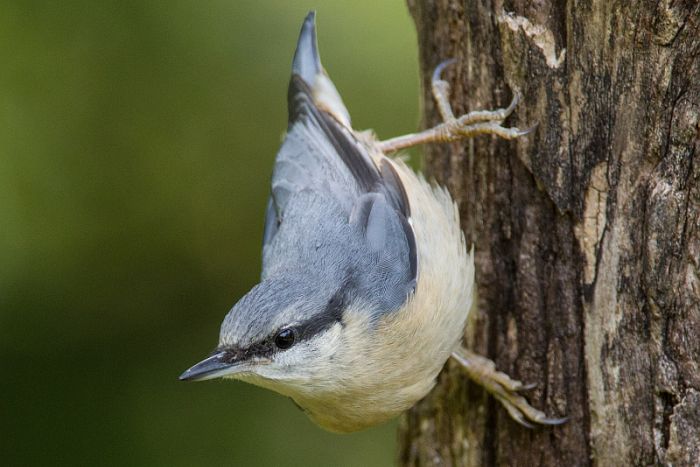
column 136, row 143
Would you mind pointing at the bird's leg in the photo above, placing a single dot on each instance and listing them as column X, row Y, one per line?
column 454, row 128
column 480, row 369
column 505, row 389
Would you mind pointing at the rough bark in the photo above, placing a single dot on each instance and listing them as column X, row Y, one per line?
column 587, row 231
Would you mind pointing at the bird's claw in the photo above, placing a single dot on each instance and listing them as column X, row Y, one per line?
column 437, row 73
column 475, row 122
column 505, row 389
column 478, row 122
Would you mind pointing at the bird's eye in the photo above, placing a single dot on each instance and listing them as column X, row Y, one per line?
column 284, row 339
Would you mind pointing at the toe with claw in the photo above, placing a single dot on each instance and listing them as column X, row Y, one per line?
column 457, row 128
column 505, row 389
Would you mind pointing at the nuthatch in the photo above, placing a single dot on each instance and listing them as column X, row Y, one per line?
column 366, row 278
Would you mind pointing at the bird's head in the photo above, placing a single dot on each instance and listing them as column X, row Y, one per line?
column 284, row 333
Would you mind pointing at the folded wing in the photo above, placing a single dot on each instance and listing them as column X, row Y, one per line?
column 321, row 166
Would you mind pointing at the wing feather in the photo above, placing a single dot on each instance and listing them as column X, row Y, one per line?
column 324, row 174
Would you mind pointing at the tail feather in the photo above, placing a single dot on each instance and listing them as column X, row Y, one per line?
column 307, row 66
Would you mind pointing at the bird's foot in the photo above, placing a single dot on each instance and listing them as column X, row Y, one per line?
column 505, row 389
column 453, row 128
column 472, row 123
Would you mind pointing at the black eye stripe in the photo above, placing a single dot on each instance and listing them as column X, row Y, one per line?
column 331, row 315
column 259, row 349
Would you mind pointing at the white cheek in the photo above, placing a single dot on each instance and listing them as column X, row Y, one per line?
column 305, row 360
column 295, row 357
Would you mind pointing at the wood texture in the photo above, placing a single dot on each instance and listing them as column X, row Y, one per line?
column 587, row 231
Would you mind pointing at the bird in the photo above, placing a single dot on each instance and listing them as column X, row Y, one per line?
column 366, row 279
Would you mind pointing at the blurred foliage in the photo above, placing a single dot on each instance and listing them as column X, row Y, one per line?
column 136, row 143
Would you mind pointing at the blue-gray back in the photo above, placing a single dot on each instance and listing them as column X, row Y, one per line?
column 334, row 218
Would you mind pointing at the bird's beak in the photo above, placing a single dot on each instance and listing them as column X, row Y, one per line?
column 212, row 367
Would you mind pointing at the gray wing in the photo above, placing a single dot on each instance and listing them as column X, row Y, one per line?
column 331, row 208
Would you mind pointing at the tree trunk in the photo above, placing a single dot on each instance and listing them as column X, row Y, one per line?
column 587, row 230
